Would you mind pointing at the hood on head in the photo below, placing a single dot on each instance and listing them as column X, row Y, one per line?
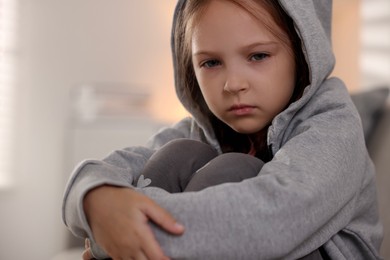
column 312, row 21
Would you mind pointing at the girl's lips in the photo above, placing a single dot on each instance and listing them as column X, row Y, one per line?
column 241, row 110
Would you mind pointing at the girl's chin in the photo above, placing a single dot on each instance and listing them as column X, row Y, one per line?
column 246, row 125
column 246, row 129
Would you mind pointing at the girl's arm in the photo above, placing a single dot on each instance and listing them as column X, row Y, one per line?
column 319, row 189
column 99, row 193
column 300, row 200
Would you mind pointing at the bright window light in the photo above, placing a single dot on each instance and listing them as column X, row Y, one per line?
column 7, row 88
column 375, row 39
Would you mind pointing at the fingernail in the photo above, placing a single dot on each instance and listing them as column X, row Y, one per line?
column 86, row 243
column 179, row 226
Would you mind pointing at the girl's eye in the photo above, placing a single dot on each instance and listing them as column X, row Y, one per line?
column 259, row 56
column 210, row 63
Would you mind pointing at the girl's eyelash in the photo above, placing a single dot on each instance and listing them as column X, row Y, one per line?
column 259, row 56
column 253, row 57
column 210, row 63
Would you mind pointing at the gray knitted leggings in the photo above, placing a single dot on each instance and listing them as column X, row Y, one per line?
column 188, row 165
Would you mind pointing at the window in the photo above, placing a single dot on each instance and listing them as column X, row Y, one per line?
column 375, row 57
column 7, row 88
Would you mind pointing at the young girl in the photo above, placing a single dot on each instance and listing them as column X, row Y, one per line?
column 254, row 76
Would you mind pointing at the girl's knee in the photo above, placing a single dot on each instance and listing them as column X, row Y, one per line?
column 187, row 147
column 228, row 167
column 240, row 161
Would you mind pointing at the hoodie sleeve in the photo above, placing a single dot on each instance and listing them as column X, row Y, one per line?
column 299, row 200
column 120, row 168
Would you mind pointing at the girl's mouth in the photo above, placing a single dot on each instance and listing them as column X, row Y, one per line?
column 242, row 109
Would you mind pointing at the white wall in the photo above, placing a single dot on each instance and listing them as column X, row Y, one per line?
column 63, row 44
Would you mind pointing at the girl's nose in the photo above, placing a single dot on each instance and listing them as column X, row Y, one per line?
column 235, row 83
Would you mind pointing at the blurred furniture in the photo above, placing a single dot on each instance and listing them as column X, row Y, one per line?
column 374, row 109
column 379, row 148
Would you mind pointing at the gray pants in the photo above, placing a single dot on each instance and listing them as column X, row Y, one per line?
column 187, row 165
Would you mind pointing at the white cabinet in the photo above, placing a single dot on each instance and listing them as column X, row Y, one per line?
column 95, row 140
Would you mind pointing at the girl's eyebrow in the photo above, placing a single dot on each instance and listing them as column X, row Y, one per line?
column 243, row 48
column 256, row 44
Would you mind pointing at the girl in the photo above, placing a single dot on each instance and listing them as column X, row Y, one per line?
column 254, row 76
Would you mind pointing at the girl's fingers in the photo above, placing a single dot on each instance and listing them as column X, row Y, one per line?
column 87, row 244
column 87, row 255
column 150, row 246
column 162, row 218
column 141, row 256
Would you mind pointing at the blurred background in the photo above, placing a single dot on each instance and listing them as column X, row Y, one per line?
column 79, row 78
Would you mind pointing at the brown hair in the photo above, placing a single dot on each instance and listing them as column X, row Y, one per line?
column 230, row 140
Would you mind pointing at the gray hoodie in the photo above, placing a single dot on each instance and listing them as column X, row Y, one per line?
column 318, row 190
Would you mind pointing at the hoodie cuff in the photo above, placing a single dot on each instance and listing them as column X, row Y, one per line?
column 87, row 176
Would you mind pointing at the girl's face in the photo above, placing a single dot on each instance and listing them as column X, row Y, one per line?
column 245, row 73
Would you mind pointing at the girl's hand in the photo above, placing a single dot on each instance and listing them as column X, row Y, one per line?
column 119, row 220
column 87, row 254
